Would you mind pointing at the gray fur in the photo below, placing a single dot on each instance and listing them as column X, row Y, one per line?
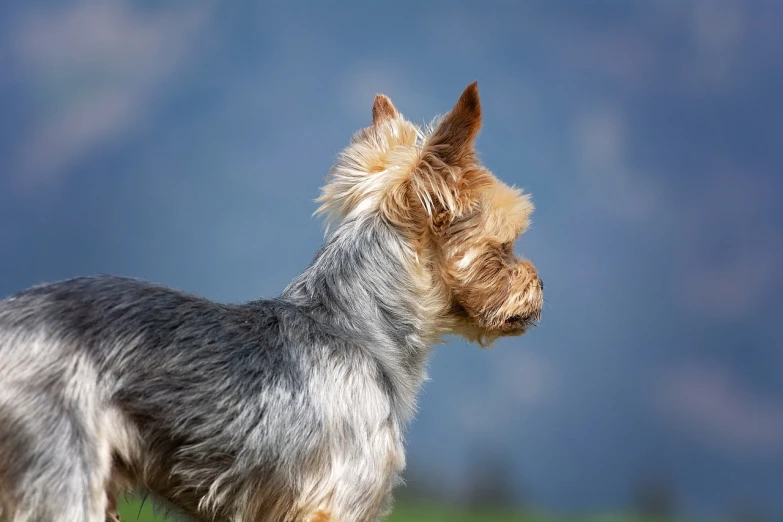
column 228, row 411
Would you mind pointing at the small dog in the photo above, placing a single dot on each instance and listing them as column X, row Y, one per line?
column 280, row 410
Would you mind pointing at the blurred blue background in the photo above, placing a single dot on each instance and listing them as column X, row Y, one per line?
column 185, row 144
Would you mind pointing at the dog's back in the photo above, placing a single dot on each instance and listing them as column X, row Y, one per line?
column 110, row 379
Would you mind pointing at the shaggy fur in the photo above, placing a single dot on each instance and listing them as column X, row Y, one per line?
column 280, row 410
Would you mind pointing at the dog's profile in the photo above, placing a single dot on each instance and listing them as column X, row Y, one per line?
column 279, row 410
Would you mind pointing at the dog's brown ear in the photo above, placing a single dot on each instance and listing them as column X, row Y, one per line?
column 446, row 178
column 453, row 138
column 383, row 109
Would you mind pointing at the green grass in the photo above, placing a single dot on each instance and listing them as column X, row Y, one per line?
column 133, row 511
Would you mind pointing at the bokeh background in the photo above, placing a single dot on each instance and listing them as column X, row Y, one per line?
column 185, row 142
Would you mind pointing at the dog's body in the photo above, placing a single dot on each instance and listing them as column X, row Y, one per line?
column 287, row 409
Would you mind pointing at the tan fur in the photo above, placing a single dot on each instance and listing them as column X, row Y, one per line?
column 320, row 516
column 458, row 218
column 383, row 109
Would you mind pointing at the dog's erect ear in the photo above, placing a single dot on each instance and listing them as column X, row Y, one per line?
column 453, row 138
column 446, row 177
column 383, row 109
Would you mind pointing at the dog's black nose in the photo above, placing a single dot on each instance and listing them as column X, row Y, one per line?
column 541, row 283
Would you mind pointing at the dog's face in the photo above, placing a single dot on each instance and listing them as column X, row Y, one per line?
column 494, row 292
column 462, row 220
column 473, row 227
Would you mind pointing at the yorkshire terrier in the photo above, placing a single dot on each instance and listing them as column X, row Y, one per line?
column 284, row 409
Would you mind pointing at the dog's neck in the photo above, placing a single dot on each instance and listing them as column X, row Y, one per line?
column 361, row 283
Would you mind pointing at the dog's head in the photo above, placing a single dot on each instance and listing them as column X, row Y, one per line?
column 459, row 218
